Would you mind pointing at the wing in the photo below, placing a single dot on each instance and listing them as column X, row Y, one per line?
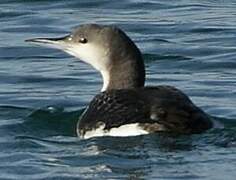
column 175, row 111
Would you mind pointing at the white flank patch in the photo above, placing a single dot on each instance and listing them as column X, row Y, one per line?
column 122, row 131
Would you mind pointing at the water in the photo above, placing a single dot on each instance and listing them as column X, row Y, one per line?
column 187, row 44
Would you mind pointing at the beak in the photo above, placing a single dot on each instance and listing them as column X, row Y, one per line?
column 51, row 42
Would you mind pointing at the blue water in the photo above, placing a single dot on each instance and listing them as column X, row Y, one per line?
column 187, row 44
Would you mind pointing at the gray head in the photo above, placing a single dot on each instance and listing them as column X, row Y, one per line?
column 108, row 49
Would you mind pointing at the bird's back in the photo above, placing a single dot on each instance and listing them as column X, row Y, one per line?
column 160, row 108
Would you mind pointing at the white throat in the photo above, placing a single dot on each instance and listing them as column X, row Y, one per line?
column 98, row 58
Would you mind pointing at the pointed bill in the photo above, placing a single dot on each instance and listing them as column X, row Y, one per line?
column 58, row 43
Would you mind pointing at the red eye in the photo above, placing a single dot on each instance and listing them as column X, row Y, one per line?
column 83, row 40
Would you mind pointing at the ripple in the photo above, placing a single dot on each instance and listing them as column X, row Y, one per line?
column 209, row 30
column 190, row 45
column 55, row 119
column 156, row 57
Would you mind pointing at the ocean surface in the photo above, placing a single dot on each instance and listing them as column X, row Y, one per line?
column 189, row 44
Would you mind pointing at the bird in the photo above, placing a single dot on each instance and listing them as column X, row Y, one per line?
column 125, row 106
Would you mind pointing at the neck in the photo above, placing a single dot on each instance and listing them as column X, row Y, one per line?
column 124, row 74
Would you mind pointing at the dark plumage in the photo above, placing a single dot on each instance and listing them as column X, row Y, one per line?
column 151, row 107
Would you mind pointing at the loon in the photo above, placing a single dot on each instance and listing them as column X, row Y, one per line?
column 125, row 107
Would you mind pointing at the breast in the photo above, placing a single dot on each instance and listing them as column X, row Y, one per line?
column 142, row 111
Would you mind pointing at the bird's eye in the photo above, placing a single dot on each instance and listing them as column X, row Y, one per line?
column 83, row 40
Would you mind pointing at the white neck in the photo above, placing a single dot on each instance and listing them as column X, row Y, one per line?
column 106, row 80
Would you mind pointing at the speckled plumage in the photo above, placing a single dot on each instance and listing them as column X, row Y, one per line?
column 171, row 109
